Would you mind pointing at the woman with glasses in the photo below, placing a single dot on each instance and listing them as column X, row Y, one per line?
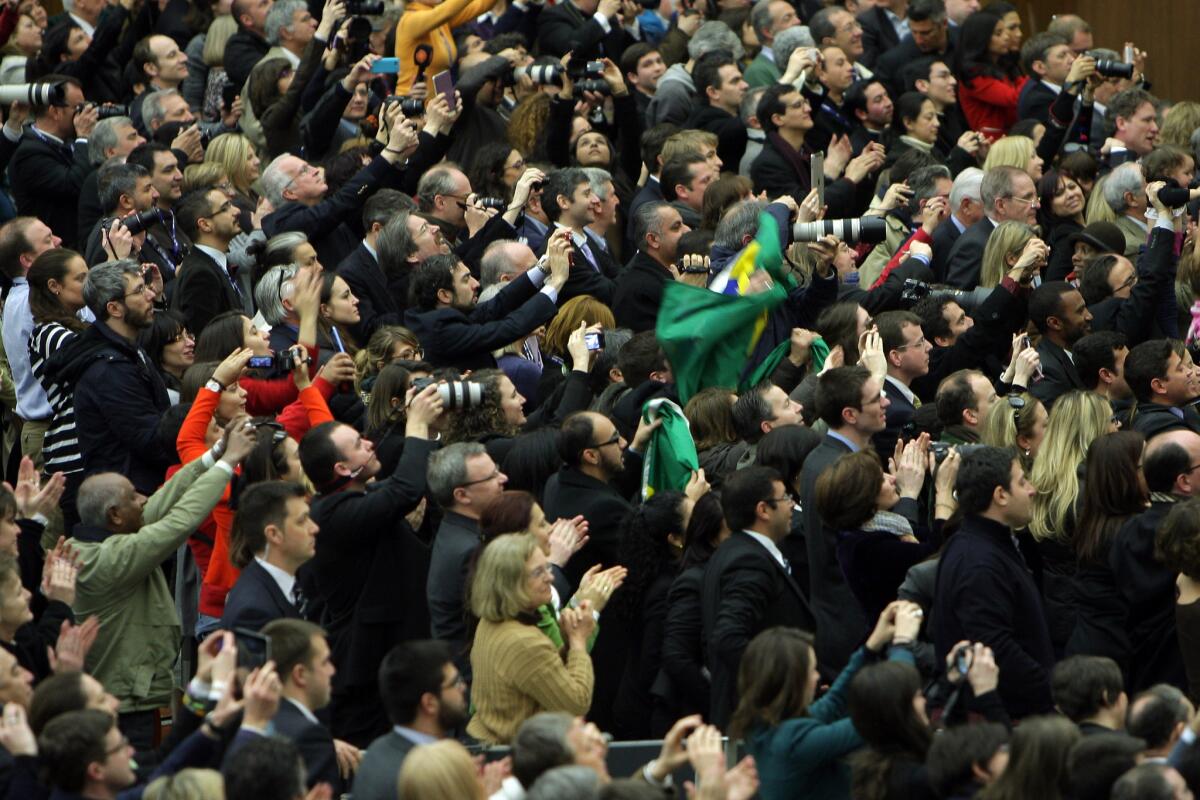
column 800, row 746
column 171, row 348
column 1114, row 491
column 876, row 515
column 518, row 671
column 495, row 170
column 55, row 300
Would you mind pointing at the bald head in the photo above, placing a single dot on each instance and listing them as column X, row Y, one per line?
column 101, row 494
column 1172, row 463
column 504, row 260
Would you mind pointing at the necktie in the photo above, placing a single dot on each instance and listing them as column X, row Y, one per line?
column 299, row 600
column 587, row 253
column 916, row 401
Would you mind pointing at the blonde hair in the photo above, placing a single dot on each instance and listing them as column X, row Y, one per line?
column 583, row 308
column 1077, row 419
column 1098, row 209
column 378, row 352
column 687, row 142
column 219, row 33
column 1008, row 239
column 1003, row 423
column 232, row 151
column 498, row 590
column 187, row 784
column 205, row 175
column 1010, row 151
column 439, row 771
column 1180, row 122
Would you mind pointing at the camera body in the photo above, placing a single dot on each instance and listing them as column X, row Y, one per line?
column 594, row 340
column 942, row 449
column 283, row 361
column 1113, row 69
column 409, row 106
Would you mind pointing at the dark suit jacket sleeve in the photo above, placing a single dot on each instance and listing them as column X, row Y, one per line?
column 363, row 520
column 198, row 296
column 576, row 396
column 745, row 595
column 320, row 759
column 994, row 318
column 1135, row 315
column 558, row 33
column 873, row 40
column 886, row 297
column 773, row 175
column 319, row 220
column 962, row 269
column 128, row 413
column 628, row 124
column 7, row 148
column 558, row 131
column 320, row 124
column 682, row 631
column 40, row 167
column 430, row 150
column 509, row 299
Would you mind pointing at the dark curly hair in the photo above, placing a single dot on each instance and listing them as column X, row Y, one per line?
column 645, row 550
column 473, row 424
column 1177, row 542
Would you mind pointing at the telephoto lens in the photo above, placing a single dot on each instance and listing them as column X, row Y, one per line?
column 38, row 95
column 458, row 395
column 110, row 110
column 597, row 85
column 871, row 230
column 1114, row 69
column 139, row 221
column 491, row 202
column 364, row 8
column 540, row 74
column 412, row 107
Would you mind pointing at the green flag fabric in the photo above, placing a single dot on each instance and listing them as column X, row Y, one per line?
column 671, row 454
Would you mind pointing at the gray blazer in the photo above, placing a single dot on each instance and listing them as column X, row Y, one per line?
column 380, row 767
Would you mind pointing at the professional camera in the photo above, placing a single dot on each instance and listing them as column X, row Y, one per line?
column 364, row 8
column 915, row 290
column 540, row 74
column 1114, row 69
column 456, row 395
column 871, row 230
column 597, row 85
column 491, row 202
column 942, row 449
column 409, row 106
column 39, row 95
column 283, row 361
column 139, row 221
column 110, row 110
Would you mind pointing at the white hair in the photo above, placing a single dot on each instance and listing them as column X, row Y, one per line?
column 966, row 185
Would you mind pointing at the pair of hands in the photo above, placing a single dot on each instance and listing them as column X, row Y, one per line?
column 691, row 741
column 899, row 623
column 1024, row 364
column 983, row 674
column 32, row 494
column 838, row 160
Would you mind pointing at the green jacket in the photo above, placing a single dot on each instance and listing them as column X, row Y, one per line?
column 872, row 266
column 762, row 72
column 120, row 582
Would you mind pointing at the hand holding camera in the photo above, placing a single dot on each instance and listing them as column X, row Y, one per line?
column 240, row 438
column 333, row 11
column 189, row 142
column 402, row 139
column 118, row 241
column 424, row 406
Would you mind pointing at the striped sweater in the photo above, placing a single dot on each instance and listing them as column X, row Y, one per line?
column 60, row 447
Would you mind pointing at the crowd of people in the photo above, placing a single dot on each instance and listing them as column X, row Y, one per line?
column 352, row 447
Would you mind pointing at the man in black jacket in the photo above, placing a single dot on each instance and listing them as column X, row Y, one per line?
column 248, row 45
column 748, row 583
column 275, row 537
column 1057, row 310
column 370, row 566
column 306, row 671
column 569, row 202
column 720, row 88
column 1008, row 194
column 296, row 190
column 586, row 28
column 1047, row 59
column 985, row 592
column 852, row 403
column 966, row 208
column 51, row 162
column 658, row 228
column 907, row 352
column 119, row 396
column 456, row 330
column 928, row 36
column 365, row 272
column 1159, row 375
column 207, row 286
column 882, row 26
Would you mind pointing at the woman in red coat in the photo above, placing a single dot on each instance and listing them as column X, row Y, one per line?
column 989, row 80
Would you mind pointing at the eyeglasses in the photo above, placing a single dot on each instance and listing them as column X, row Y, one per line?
column 616, row 437
column 518, row 166
column 775, row 501
column 920, row 342
column 142, row 290
column 124, row 744
column 1034, row 202
column 307, row 169
column 459, row 682
column 495, row 474
column 1130, row 281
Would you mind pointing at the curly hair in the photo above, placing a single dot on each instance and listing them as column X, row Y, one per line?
column 645, row 550
column 473, row 424
column 526, row 125
column 1177, row 542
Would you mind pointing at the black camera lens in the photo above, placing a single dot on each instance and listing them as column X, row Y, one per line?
column 491, row 202
column 110, row 110
column 1114, row 69
column 412, row 107
column 364, row 8
column 592, row 85
column 139, row 221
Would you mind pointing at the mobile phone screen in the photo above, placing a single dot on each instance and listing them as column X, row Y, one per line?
column 817, row 165
column 443, row 83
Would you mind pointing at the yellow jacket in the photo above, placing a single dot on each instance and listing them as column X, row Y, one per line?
column 431, row 25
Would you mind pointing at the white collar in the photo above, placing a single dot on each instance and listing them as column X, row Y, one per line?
column 47, row 135
column 286, row 582
column 88, row 27
column 292, row 58
column 958, row 223
column 1054, row 87
column 310, row 716
column 580, row 239
column 904, row 390
column 215, row 254
column 1099, row 107
column 767, row 53
column 370, row 250
column 771, row 547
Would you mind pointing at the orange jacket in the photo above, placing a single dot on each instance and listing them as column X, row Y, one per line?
column 431, row 25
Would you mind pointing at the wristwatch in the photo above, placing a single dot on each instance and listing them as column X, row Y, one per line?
column 214, row 385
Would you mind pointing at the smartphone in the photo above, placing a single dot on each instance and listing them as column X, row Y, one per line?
column 817, row 164
column 594, row 340
column 386, row 66
column 443, row 83
column 254, row 649
column 261, row 362
column 337, row 340
column 1128, row 54
column 228, row 95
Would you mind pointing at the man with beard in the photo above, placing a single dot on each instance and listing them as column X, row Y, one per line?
column 118, row 399
column 207, row 286
column 425, row 698
column 456, row 330
column 1058, row 311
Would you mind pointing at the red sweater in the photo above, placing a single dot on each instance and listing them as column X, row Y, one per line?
column 990, row 103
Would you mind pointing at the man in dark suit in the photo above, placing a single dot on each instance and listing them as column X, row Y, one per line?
column 1159, row 377
column 249, row 44
column 928, row 36
column 907, row 352
column 985, row 592
column 297, row 191
column 426, row 700
column 597, row 478
column 51, row 162
column 879, row 28
column 370, row 566
column 1008, row 194
column 125, row 189
column 568, row 201
column 275, row 537
column 1060, row 315
column 1047, row 59
column 720, row 88
column 306, row 670
column 748, row 584
column 588, row 29
column 463, row 480
column 851, row 402
column 456, row 330
column 365, row 271
column 658, row 228
column 966, row 209
column 206, row 286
